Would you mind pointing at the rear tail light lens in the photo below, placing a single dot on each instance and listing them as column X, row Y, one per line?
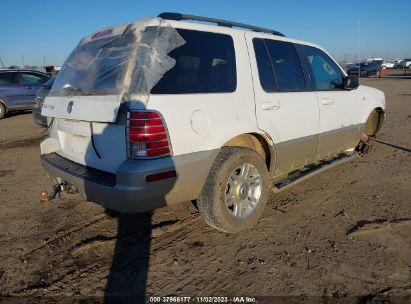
column 147, row 135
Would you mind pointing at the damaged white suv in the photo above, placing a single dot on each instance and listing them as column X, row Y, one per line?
column 162, row 111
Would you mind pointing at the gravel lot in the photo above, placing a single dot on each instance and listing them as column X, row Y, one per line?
column 345, row 233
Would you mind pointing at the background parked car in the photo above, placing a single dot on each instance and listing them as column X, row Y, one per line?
column 18, row 89
column 405, row 62
column 41, row 95
column 365, row 69
column 388, row 64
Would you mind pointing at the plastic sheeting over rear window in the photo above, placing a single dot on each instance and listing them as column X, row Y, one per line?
column 125, row 60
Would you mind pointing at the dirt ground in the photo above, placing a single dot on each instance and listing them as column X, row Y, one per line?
column 342, row 235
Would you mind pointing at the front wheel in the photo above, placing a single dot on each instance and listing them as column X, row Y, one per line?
column 235, row 193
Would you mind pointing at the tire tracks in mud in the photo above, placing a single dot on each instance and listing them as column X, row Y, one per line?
column 166, row 232
column 58, row 240
column 58, row 237
column 28, row 142
column 363, row 223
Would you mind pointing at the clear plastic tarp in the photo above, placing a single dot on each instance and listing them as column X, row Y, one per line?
column 123, row 61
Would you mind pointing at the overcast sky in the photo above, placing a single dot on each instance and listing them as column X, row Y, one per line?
column 52, row 28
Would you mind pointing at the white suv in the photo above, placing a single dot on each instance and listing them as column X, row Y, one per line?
column 163, row 111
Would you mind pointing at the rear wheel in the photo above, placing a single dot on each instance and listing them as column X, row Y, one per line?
column 2, row 110
column 236, row 190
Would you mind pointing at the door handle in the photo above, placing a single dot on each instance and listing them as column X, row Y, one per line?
column 327, row 101
column 271, row 105
column 28, row 87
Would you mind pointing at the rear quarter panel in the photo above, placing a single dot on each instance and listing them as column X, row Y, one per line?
column 200, row 122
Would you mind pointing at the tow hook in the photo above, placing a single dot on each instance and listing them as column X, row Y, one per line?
column 56, row 190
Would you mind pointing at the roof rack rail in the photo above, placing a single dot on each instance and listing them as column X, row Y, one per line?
column 179, row 17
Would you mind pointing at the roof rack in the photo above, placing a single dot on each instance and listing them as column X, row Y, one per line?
column 179, row 17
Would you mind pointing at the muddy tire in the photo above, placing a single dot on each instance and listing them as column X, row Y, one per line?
column 2, row 110
column 235, row 193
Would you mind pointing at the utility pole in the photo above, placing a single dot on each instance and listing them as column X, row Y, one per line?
column 22, row 59
column 44, row 60
column 2, row 64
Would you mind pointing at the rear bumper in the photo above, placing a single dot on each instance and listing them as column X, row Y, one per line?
column 126, row 190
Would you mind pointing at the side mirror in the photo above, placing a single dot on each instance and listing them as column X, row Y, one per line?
column 350, row 82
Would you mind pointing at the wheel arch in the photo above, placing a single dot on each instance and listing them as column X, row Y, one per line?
column 374, row 122
column 261, row 143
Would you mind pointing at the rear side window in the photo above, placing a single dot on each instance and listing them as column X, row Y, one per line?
column 7, row 78
column 287, row 66
column 265, row 71
column 204, row 64
column 31, row 78
column 326, row 73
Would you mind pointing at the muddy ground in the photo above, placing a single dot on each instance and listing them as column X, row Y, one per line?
column 343, row 233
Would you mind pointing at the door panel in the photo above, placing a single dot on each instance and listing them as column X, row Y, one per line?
column 339, row 127
column 9, row 89
column 29, row 84
column 290, row 117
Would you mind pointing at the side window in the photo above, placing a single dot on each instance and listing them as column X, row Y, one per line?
column 7, row 78
column 287, row 66
column 265, row 71
column 204, row 64
column 326, row 73
column 28, row 78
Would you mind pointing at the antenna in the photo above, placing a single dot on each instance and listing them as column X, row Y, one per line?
column 359, row 46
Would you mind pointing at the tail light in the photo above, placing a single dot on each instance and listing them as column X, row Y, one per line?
column 147, row 135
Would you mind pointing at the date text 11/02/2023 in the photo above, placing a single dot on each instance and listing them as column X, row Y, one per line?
column 181, row 299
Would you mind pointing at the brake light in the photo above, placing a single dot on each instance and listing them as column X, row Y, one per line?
column 147, row 135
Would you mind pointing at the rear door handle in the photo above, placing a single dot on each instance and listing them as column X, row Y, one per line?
column 327, row 101
column 271, row 105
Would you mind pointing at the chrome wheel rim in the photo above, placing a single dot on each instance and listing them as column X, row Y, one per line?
column 243, row 191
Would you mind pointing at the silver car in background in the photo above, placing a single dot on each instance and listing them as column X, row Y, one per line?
column 18, row 89
column 40, row 96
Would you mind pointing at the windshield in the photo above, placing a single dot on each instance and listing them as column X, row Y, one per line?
column 127, row 59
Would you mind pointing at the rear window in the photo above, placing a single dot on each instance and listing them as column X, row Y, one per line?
column 204, row 64
column 7, row 78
